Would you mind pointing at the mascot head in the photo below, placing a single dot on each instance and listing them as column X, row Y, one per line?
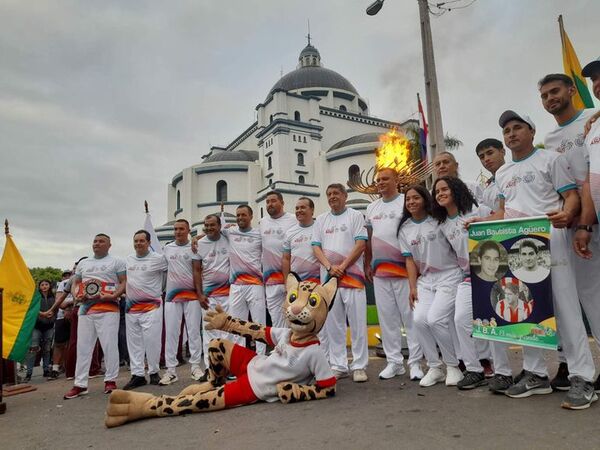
column 307, row 304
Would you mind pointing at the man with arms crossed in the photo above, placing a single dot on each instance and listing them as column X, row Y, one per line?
column 272, row 231
column 339, row 240
column 105, row 278
column 384, row 264
column 181, row 299
column 143, row 310
column 213, row 257
column 557, row 91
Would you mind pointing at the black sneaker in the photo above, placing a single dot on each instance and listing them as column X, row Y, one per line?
column 135, row 382
column 204, row 377
column 471, row 381
column 521, row 374
column 499, row 384
column 46, row 373
column 561, row 381
column 530, row 384
column 581, row 395
column 597, row 385
column 154, row 378
column 53, row 375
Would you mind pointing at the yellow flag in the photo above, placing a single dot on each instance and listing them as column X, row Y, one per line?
column 20, row 303
column 582, row 98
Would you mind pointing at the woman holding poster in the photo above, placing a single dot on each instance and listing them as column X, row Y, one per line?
column 453, row 204
column 433, row 275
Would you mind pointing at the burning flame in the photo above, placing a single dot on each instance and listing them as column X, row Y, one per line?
column 393, row 151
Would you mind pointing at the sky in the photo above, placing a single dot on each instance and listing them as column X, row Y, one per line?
column 103, row 102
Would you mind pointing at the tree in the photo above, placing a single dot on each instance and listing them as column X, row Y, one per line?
column 51, row 274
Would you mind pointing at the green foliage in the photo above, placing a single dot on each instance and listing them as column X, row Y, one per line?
column 46, row 273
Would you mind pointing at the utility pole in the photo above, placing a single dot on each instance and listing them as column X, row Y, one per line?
column 432, row 95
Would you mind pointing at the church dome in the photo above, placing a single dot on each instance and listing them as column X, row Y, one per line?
column 310, row 74
column 237, row 155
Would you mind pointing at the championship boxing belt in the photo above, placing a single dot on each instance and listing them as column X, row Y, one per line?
column 92, row 289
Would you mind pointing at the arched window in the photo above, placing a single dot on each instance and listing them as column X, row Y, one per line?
column 271, row 118
column 221, row 191
column 301, row 179
column 353, row 172
column 270, row 181
column 300, row 159
column 305, row 139
column 343, row 108
column 269, row 163
column 178, row 199
column 297, row 116
column 294, row 138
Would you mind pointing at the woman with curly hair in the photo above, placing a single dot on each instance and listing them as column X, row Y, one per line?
column 453, row 203
column 433, row 275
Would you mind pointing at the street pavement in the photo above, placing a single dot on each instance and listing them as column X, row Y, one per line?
column 390, row 414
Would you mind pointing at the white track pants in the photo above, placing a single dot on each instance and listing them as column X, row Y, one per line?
column 433, row 315
column 143, row 340
column 351, row 304
column 174, row 311
column 573, row 337
column 587, row 274
column 500, row 357
column 275, row 294
column 463, row 321
column 208, row 335
column 102, row 326
column 248, row 298
column 393, row 310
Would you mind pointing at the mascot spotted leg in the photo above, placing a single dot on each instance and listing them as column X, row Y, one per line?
column 283, row 375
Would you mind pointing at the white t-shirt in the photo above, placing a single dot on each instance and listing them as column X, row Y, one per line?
column 457, row 235
column 64, row 286
column 532, row 186
column 297, row 242
column 296, row 363
column 106, row 270
column 383, row 218
column 144, row 282
column 490, row 195
column 180, row 275
column 476, row 189
column 244, row 255
column 427, row 245
column 215, row 266
column 568, row 140
column 272, row 232
column 336, row 235
column 592, row 144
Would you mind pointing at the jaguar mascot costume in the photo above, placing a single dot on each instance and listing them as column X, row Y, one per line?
column 285, row 374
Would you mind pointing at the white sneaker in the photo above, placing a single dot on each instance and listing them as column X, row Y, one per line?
column 197, row 373
column 339, row 374
column 453, row 375
column 416, row 373
column 392, row 370
column 360, row 376
column 434, row 375
column 168, row 378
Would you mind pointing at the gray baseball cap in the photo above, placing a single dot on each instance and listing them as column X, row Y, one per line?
column 591, row 67
column 509, row 115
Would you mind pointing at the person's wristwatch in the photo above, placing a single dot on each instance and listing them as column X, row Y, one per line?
column 587, row 228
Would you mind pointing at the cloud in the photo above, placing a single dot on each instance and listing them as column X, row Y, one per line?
column 101, row 103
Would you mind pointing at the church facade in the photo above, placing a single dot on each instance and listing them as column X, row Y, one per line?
column 312, row 129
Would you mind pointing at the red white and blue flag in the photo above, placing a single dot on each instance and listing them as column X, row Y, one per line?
column 422, row 131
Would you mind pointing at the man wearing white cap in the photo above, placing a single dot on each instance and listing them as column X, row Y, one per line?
column 535, row 183
column 557, row 91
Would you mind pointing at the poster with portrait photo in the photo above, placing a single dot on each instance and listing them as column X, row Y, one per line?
column 510, row 282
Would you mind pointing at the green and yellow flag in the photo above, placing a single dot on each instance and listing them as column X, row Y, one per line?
column 582, row 99
column 20, row 303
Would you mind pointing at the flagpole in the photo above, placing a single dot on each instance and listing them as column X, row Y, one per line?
column 2, row 404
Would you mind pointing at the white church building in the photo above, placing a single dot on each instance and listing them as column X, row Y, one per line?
column 312, row 129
